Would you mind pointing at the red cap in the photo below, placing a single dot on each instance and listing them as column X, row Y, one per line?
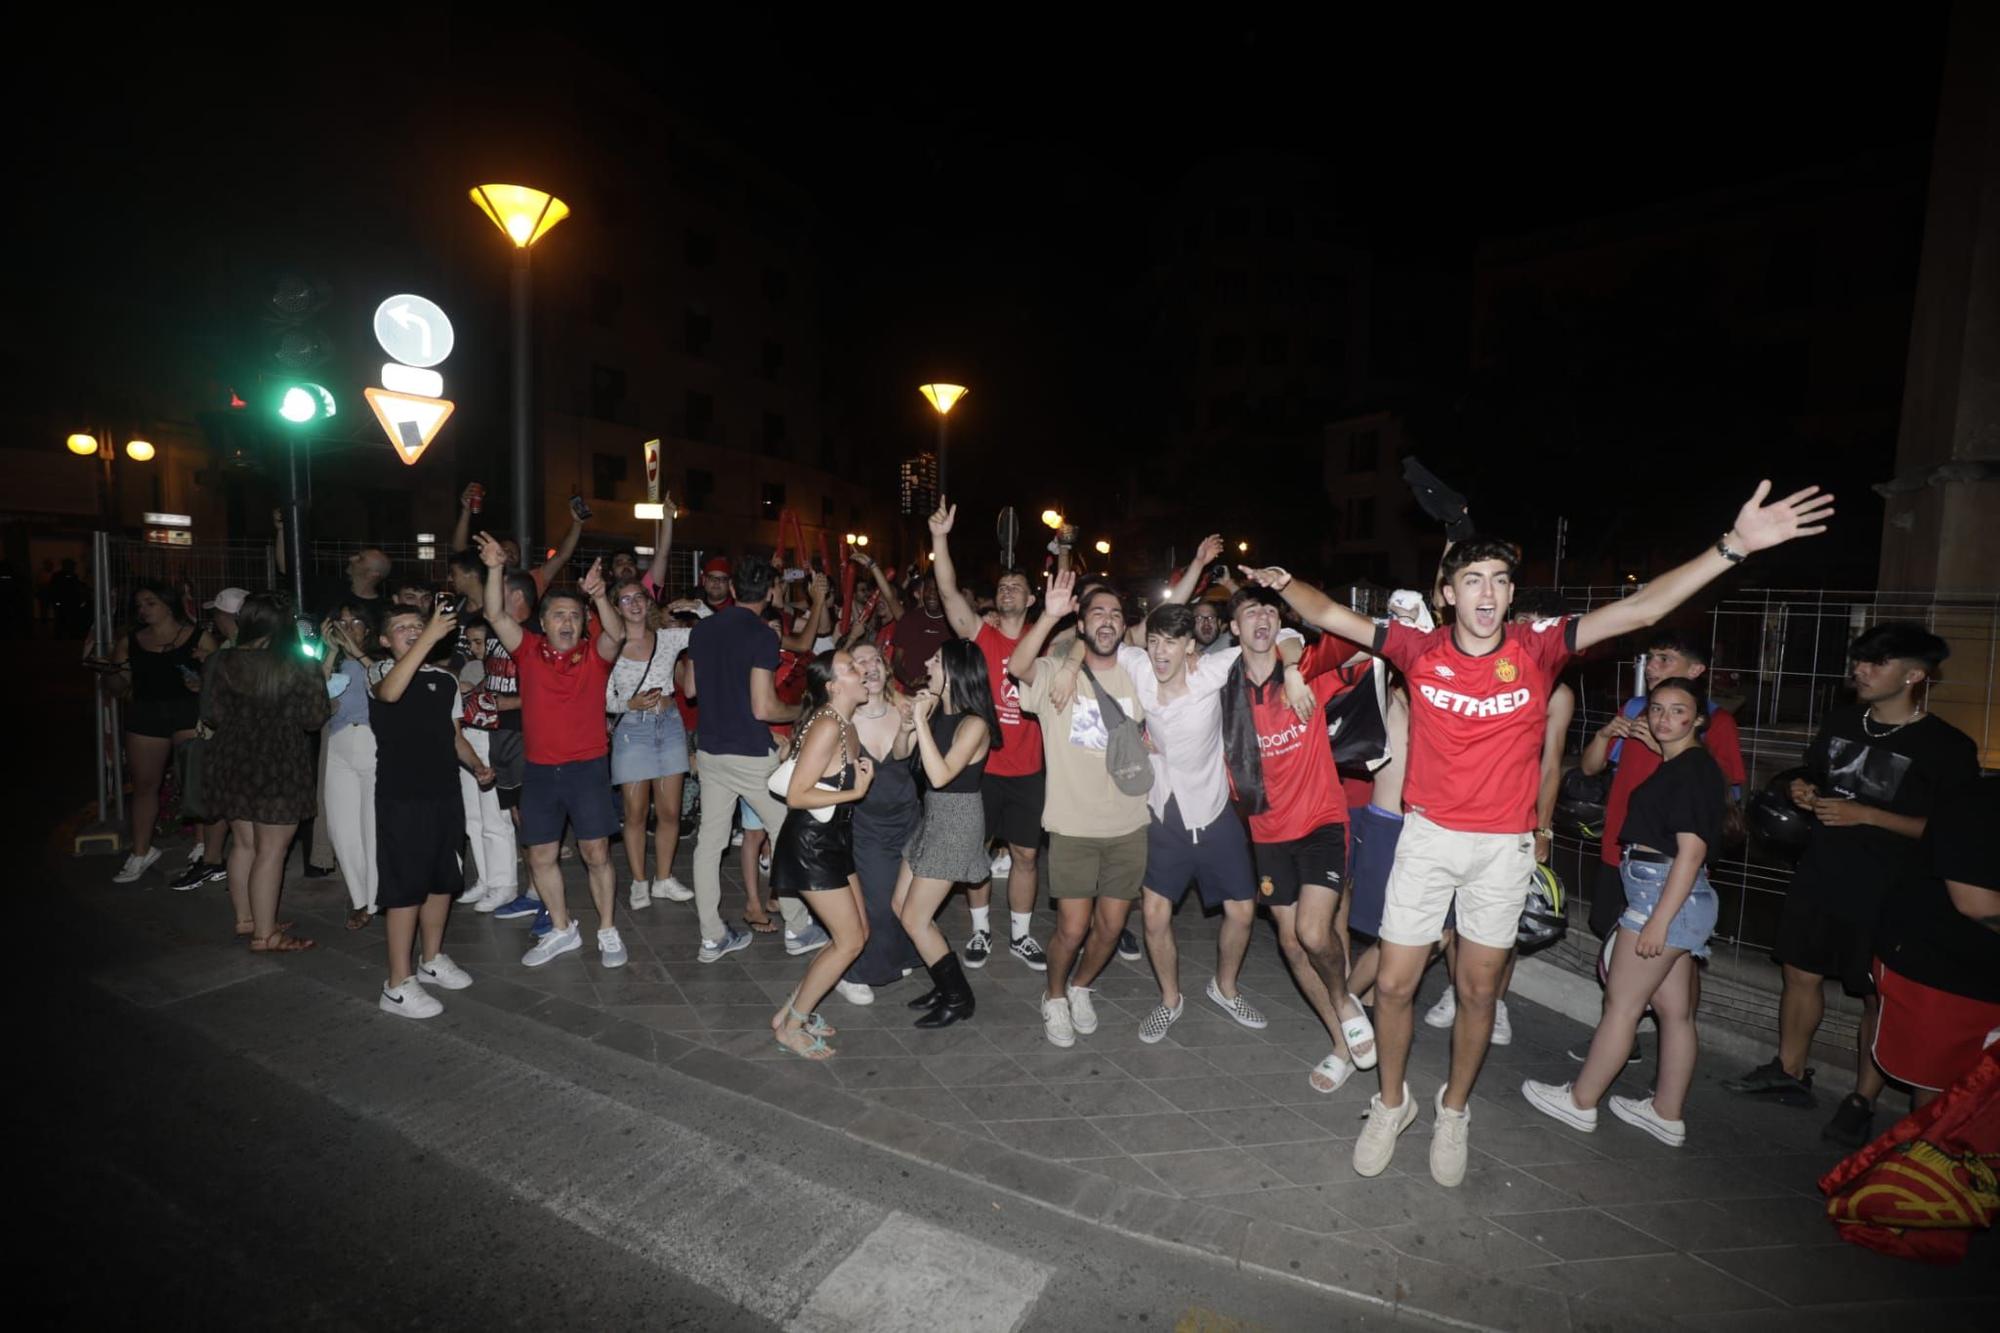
column 718, row 564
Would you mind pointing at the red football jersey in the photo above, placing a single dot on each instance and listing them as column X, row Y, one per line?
column 1301, row 785
column 1021, row 751
column 1476, row 722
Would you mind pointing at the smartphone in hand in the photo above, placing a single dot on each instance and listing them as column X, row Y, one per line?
column 579, row 509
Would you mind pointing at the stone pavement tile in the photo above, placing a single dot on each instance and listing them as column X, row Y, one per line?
column 1387, row 1200
column 1205, row 1032
column 1698, row 1224
column 1492, row 1301
column 701, row 990
column 1534, row 1146
column 1838, row 1273
column 1246, row 1057
column 1014, row 1040
column 1607, row 1182
column 1215, row 1092
column 1243, row 1126
column 1309, row 1163
column 1059, row 1138
column 1868, row 1318
column 581, row 1020
column 935, row 1104
column 506, row 996
column 1212, row 1171
column 1367, row 1268
column 1474, row 1244
column 859, row 1073
column 639, row 1041
column 1649, row 1283
column 1178, row 1221
column 643, row 992
column 1580, row 1233
column 1078, row 1064
column 1303, row 1206
column 1110, row 1097
column 968, row 1068
column 1172, row 1132
column 1796, row 1173
column 1723, row 1178
column 1293, row 1088
column 1125, row 1170
column 1151, row 1062
column 666, row 1017
column 734, row 1016
column 958, row 1039
column 860, row 1043
column 1011, row 1101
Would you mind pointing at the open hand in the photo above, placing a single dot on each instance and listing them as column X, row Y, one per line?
column 1210, row 550
column 1760, row 526
column 1060, row 598
column 491, row 553
column 1300, row 696
column 1274, row 577
column 1063, row 688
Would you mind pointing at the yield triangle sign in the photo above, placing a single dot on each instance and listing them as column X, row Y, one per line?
column 410, row 421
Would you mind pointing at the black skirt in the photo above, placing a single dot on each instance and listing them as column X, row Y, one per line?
column 811, row 855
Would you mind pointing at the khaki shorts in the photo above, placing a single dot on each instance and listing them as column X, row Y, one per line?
column 1099, row 867
column 1486, row 872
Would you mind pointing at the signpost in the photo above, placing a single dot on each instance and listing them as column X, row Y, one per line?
column 410, row 404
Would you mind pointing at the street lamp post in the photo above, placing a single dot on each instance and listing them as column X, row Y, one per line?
column 942, row 397
column 525, row 215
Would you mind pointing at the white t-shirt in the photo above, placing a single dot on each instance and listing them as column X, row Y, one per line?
column 631, row 675
column 1186, row 732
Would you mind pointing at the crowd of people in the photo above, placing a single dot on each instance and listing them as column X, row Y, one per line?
column 1384, row 789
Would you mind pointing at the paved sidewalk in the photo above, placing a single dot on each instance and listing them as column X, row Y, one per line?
column 1214, row 1138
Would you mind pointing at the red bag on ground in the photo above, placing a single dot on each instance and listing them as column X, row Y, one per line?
column 1920, row 1190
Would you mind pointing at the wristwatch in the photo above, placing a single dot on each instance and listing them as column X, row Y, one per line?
column 1726, row 551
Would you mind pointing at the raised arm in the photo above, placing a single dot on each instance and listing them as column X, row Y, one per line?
column 552, row 568
column 440, row 626
column 1056, row 603
column 663, row 542
column 1206, row 554
column 1758, row 527
column 958, row 610
column 801, row 639
column 610, row 625
column 461, row 532
column 505, row 627
column 1313, row 606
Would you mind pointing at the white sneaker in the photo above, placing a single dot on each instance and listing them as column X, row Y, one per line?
column 135, row 866
column 854, row 992
column 641, row 895
column 1641, row 1115
column 1503, row 1031
column 441, row 971
column 672, row 890
column 1056, row 1024
column 554, row 945
column 1003, row 864
column 409, row 1000
column 1449, row 1146
column 1082, row 1011
column 1377, row 1143
column 473, row 893
column 1554, row 1100
column 736, row 837
column 1445, row 1012
column 610, row 949
column 1237, row 1007
column 495, row 898
column 1162, row 1018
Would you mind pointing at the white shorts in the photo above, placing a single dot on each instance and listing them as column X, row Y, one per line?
column 1487, row 873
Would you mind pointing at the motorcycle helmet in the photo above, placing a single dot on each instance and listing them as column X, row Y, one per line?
column 1773, row 816
column 1543, row 921
column 1580, row 801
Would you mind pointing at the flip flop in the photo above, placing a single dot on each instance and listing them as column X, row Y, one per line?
column 764, row 927
column 1358, row 1030
column 1334, row 1068
column 244, row 929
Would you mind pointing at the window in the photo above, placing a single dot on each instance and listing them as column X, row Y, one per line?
column 605, row 298
column 1232, row 284
column 607, row 392
column 700, row 489
column 774, row 434
column 698, row 332
column 774, row 358
column 1360, row 525
column 1228, row 350
column 774, row 498
column 1364, row 451
column 699, row 248
column 700, row 417
column 1274, row 349
column 777, row 285
column 606, row 472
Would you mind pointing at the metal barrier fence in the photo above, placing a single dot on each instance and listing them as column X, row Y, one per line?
column 1778, row 661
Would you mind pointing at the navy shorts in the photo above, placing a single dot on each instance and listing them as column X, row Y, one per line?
column 1318, row 858
column 577, row 794
column 1371, row 853
column 1014, row 807
column 416, row 849
column 1218, row 857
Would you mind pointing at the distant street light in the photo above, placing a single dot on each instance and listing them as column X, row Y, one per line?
column 942, row 396
column 1242, row 548
column 1052, row 518
column 1104, row 548
column 139, row 451
column 83, row 446
column 525, row 215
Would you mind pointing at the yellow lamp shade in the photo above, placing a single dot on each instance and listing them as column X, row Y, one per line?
column 83, row 446
column 942, row 396
column 1051, row 518
column 523, row 212
column 139, row 451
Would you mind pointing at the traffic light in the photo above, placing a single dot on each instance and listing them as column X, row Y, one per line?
column 299, row 344
column 302, row 402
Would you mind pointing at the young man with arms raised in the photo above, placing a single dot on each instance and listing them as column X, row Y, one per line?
column 1479, row 692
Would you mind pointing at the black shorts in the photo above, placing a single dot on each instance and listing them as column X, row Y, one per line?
column 1318, row 858
column 1607, row 903
column 1014, row 807
column 162, row 718
column 1813, row 941
column 1215, row 856
column 416, row 849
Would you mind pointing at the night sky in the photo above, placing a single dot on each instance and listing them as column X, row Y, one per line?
column 986, row 190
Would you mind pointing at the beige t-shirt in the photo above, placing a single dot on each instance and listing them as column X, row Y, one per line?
column 1082, row 801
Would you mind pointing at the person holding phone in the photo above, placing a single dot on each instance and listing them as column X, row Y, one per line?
column 347, row 793
column 649, row 748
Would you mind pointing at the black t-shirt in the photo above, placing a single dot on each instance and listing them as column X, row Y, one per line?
column 1849, row 870
column 416, row 756
column 1684, row 795
column 1923, row 935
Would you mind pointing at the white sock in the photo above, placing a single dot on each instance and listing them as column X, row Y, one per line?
column 1020, row 922
column 981, row 916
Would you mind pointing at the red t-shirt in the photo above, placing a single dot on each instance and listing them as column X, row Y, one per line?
column 1636, row 763
column 1021, row 751
column 1301, row 784
column 562, row 701
column 1476, row 723
column 918, row 636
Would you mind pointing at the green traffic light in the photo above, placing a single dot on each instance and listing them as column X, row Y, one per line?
column 305, row 402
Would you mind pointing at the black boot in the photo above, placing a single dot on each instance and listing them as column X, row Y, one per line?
column 948, row 975
column 930, row 999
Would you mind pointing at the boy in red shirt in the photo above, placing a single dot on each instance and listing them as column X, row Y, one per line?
column 1479, row 692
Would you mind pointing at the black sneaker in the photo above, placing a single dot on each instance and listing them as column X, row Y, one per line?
column 1771, row 1080
column 1853, row 1122
column 979, row 948
column 1128, row 947
column 197, row 873
column 1581, row 1053
column 1030, row 953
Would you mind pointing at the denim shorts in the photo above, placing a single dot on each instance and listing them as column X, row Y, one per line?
column 1691, row 926
column 648, row 745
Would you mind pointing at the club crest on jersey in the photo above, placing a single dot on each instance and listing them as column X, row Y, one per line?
column 1506, row 672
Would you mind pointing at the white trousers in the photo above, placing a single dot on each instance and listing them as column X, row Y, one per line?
column 348, row 798
column 488, row 828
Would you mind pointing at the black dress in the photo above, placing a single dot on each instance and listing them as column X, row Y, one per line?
column 884, row 819
column 811, row 855
column 264, row 710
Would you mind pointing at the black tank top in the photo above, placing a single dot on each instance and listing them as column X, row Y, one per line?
column 156, row 676
column 944, row 727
